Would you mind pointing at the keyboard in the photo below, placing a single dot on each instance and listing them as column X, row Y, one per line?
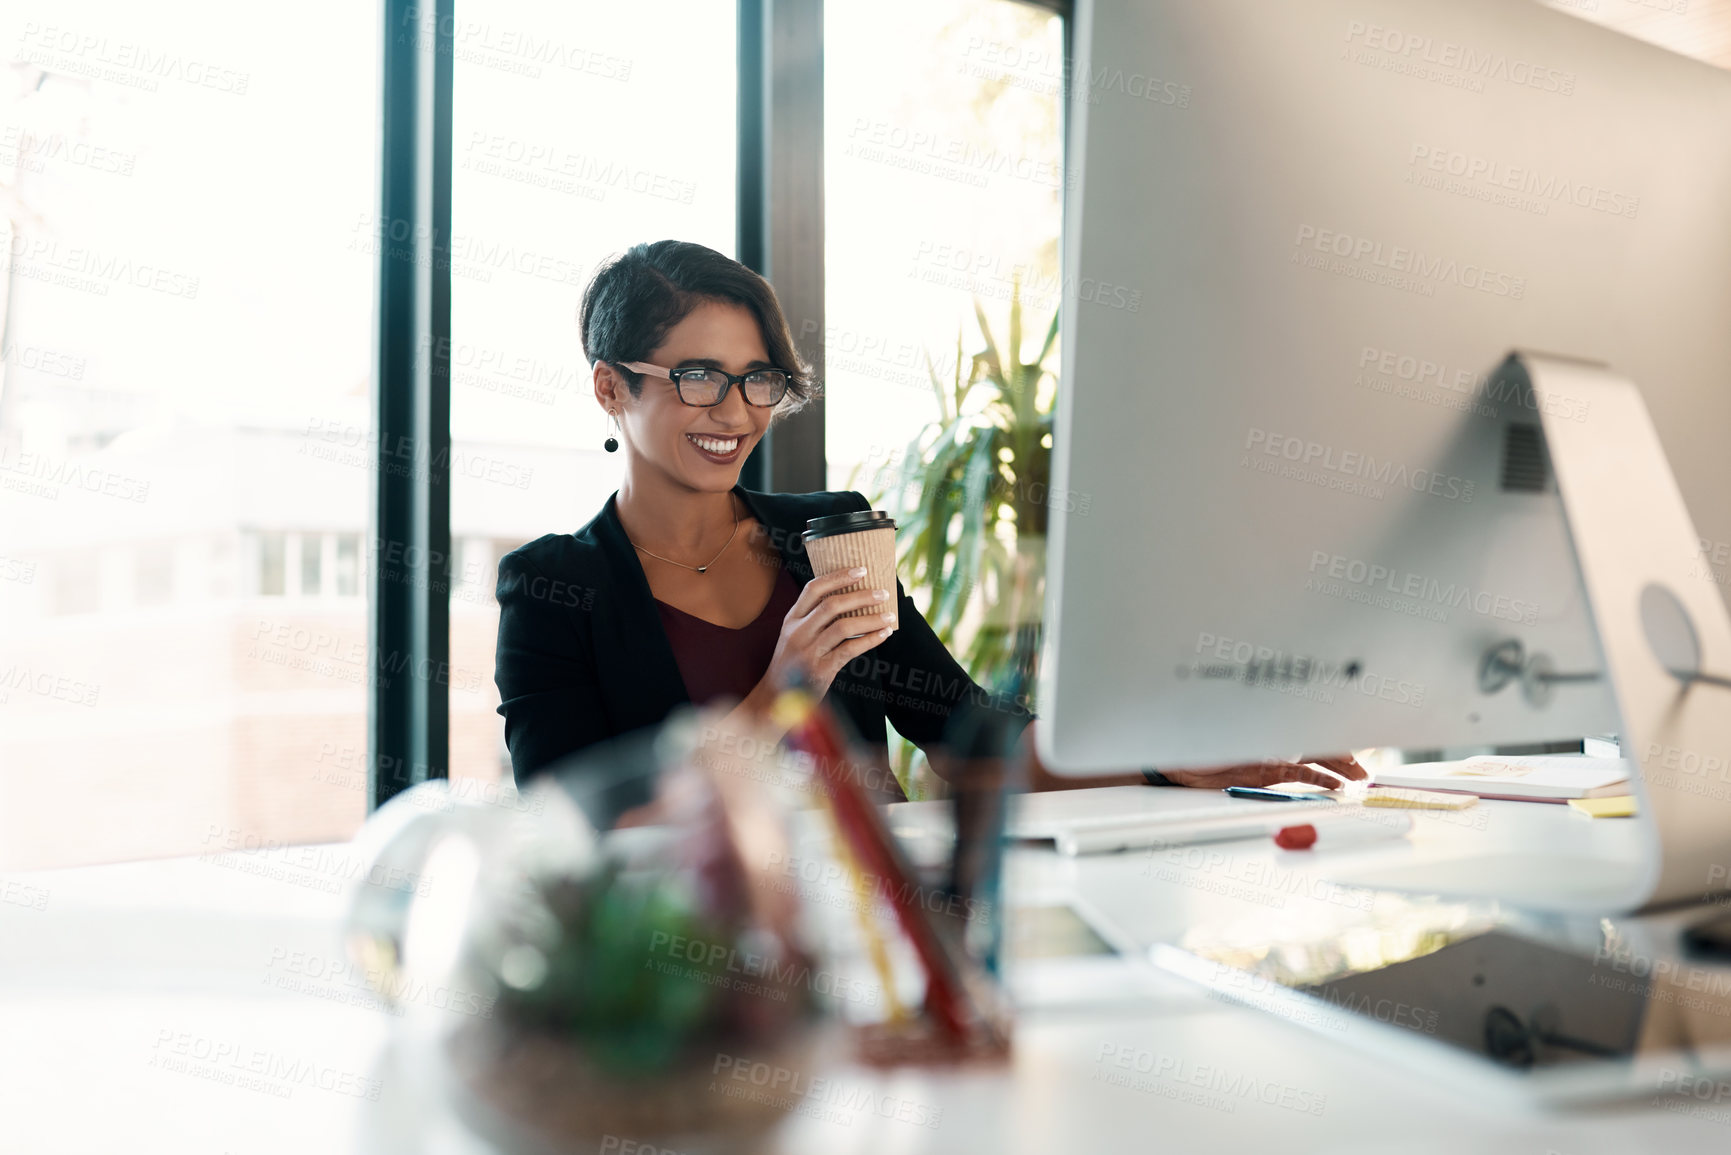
column 1180, row 826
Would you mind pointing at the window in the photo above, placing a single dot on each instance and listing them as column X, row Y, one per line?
column 943, row 183
column 312, row 564
column 272, row 564
column 185, row 481
column 573, row 141
column 77, row 582
column 190, row 199
column 348, row 553
column 153, row 583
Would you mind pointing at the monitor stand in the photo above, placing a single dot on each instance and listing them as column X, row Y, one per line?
column 1665, row 640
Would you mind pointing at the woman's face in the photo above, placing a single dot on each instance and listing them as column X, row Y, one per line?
column 703, row 448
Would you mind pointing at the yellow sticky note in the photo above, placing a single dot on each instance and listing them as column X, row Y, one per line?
column 1403, row 798
column 1616, row 806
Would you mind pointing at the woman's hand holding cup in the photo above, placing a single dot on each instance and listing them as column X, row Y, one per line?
column 815, row 636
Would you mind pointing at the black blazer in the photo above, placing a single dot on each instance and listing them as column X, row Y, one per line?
column 582, row 656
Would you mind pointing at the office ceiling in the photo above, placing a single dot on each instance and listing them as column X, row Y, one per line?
column 1698, row 28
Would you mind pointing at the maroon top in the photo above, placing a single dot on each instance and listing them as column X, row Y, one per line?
column 715, row 660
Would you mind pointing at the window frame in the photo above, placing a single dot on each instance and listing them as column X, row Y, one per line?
column 779, row 232
column 409, row 606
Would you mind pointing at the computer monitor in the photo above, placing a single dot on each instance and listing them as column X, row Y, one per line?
column 1300, row 242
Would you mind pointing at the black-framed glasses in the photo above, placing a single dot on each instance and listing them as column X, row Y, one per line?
column 704, row 387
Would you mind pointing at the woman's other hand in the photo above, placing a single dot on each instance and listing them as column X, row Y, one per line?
column 1337, row 769
column 1269, row 773
column 814, row 636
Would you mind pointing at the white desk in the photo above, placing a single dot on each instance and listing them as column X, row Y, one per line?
column 125, row 965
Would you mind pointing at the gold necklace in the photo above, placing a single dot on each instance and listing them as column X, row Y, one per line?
column 699, row 568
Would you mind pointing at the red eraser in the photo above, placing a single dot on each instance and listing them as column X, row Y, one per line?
column 1295, row 837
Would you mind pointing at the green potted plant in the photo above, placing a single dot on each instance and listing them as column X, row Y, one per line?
column 971, row 494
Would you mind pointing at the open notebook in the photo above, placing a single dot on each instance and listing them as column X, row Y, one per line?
column 1550, row 778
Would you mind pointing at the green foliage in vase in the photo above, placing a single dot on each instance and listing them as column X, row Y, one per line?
column 639, row 977
column 596, row 987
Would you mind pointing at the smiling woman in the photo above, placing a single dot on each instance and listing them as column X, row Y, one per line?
column 698, row 588
column 687, row 587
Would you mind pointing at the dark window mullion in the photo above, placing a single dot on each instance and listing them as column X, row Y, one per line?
column 751, row 211
column 781, row 210
column 409, row 602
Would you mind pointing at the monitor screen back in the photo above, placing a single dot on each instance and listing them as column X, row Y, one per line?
column 1300, row 238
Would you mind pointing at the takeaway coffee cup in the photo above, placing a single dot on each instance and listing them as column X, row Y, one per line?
column 866, row 537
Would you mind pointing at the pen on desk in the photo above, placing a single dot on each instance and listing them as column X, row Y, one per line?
column 1304, row 835
column 1261, row 794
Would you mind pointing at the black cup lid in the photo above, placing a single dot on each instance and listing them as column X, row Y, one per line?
column 848, row 523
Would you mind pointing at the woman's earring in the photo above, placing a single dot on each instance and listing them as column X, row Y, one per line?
column 612, row 442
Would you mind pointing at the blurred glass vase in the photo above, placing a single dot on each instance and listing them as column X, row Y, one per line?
column 601, row 945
